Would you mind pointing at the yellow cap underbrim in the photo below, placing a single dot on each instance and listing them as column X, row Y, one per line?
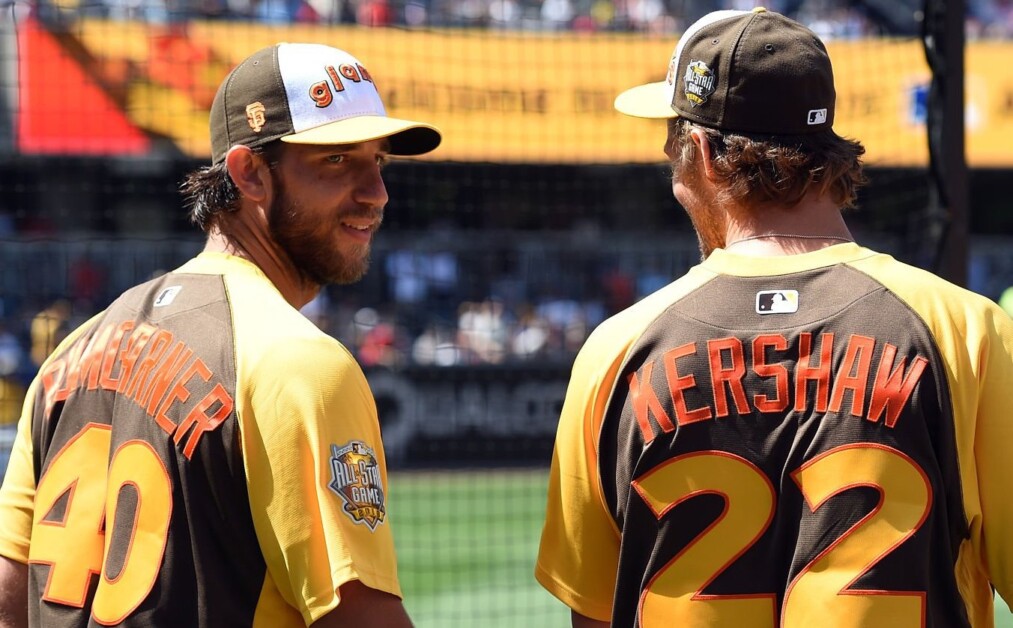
column 653, row 100
column 406, row 137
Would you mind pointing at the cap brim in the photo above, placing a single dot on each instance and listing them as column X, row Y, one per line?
column 406, row 137
column 653, row 100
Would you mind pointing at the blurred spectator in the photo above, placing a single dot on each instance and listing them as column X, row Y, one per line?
column 482, row 332
column 647, row 15
column 990, row 19
column 835, row 19
column 414, row 275
column 48, row 328
column 12, row 391
column 435, row 346
column 87, row 283
column 504, row 13
column 650, row 279
column 377, row 341
column 619, row 291
column 832, row 19
column 373, row 13
column 531, row 338
column 556, row 14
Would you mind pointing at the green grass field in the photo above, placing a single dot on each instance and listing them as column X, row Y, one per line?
column 466, row 543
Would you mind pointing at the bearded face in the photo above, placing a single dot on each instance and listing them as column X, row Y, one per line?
column 314, row 242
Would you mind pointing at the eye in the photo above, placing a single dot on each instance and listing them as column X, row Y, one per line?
column 335, row 159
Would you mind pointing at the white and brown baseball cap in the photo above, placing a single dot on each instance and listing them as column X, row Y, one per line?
column 307, row 94
column 755, row 72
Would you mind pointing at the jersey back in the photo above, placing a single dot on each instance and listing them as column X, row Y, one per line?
column 771, row 465
column 142, row 514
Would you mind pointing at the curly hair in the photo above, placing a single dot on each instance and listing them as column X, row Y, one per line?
column 209, row 192
column 782, row 170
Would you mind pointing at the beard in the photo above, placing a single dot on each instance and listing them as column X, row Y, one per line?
column 309, row 242
column 702, row 207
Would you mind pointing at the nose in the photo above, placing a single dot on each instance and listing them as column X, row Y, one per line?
column 370, row 189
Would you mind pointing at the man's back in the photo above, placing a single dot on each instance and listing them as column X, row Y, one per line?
column 789, row 444
column 135, row 446
column 156, row 457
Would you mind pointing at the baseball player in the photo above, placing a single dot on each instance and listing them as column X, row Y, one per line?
column 200, row 454
column 800, row 431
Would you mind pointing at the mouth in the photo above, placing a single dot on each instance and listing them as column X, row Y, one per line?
column 360, row 230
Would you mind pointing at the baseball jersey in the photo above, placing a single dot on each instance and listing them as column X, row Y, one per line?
column 821, row 439
column 199, row 454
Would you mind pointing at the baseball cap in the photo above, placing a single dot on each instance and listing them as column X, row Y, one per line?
column 743, row 71
column 307, row 94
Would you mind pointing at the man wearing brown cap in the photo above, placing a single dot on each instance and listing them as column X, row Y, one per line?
column 800, row 431
column 200, row 454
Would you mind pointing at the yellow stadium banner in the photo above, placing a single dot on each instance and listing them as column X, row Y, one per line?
column 536, row 97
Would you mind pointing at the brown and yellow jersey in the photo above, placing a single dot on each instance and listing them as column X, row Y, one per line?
column 199, row 454
column 819, row 439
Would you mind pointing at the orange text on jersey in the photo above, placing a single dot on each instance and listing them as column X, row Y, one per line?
column 149, row 367
column 888, row 389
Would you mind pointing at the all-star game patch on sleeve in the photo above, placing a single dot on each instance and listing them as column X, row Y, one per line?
column 316, row 475
column 317, row 478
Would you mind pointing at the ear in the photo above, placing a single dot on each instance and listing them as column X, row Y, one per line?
column 703, row 146
column 249, row 172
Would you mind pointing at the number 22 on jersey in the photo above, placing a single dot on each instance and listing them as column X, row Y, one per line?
column 75, row 522
column 820, row 595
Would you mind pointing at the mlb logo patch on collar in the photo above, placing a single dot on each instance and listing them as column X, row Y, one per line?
column 777, row 301
column 167, row 296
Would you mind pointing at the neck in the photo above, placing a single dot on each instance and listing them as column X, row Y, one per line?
column 813, row 224
column 254, row 244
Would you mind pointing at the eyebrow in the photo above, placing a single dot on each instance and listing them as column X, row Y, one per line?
column 384, row 147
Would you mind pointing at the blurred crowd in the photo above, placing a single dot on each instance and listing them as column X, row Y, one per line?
column 831, row 19
column 430, row 308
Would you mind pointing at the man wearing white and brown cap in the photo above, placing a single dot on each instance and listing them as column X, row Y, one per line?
column 200, row 454
column 800, row 431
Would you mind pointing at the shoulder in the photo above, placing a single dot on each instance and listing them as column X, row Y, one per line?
column 965, row 325
column 937, row 301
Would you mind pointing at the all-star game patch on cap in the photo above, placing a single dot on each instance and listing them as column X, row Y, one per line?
column 743, row 71
column 307, row 94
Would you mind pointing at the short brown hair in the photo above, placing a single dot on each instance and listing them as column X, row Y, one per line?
column 775, row 169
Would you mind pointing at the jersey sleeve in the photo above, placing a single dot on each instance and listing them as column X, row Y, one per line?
column 976, row 339
column 317, row 476
column 17, row 495
column 993, row 446
column 578, row 557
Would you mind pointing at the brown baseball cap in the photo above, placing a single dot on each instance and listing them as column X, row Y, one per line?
column 743, row 71
column 307, row 94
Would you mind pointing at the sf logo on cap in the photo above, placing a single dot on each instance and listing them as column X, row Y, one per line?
column 255, row 116
column 699, row 82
